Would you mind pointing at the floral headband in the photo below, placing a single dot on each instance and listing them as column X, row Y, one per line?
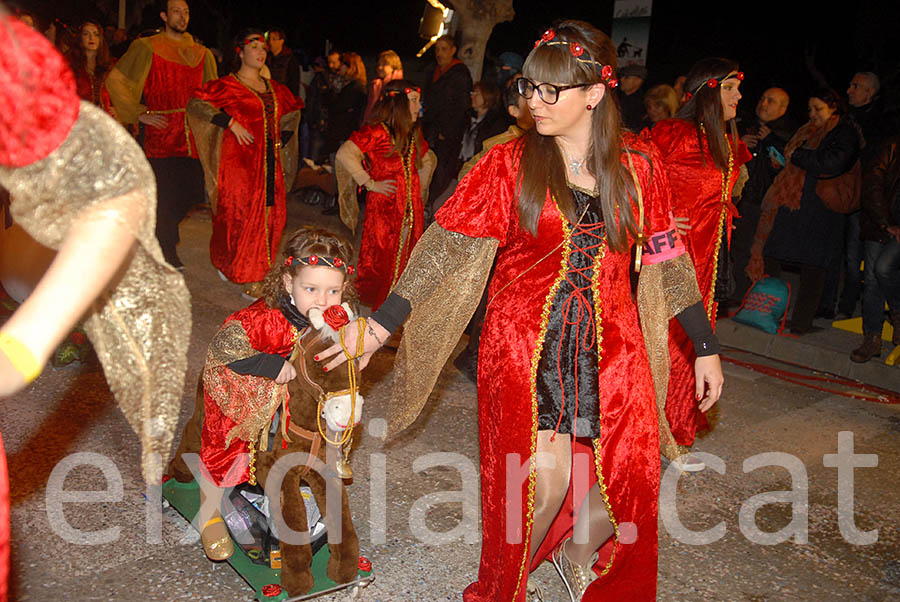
column 715, row 81
column 320, row 260
column 578, row 51
column 253, row 37
column 405, row 91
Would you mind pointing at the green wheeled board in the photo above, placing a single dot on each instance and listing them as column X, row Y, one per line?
column 185, row 498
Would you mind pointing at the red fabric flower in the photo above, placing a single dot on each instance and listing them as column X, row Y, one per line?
column 740, row 75
column 338, row 262
column 548, row 35
column 606, row 72
column 712, row 82
column 271, row 590
column 289, row 260
column 336, row 316
column 350, row 270
column 77, row 337
column 314, row 259
column 613, row 83
column 576, row 49
column 365, row 564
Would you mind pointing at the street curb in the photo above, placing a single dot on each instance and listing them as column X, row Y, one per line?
column 827, row 350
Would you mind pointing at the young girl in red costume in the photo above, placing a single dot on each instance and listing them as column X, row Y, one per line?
column 570, row 365
column 247, row 360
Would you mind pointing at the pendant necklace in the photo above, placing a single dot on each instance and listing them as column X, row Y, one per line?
column 575, row 166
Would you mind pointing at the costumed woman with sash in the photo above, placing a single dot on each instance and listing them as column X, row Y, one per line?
column 569, row 360
column 241, row 122
column 703, row 154
column 390, row 159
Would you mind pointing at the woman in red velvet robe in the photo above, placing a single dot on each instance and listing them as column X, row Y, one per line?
column 703, row 162
column 387, row 157
column 244, row 173
column 568, row 427
column 90, row 62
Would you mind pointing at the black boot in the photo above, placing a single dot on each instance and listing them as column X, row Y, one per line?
column 871, row 347
column 330, row 206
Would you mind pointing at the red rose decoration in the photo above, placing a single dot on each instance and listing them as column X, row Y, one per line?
column 365, row 565
column 576, row 49
column 77, row 337
column 712, row 83
column 336, row 316
column 606, row 72
column 338, row 262
column 537, row 43
column 271, row 590
column 314, row 259
column 548, row 35
column 350, row 270
column 613, row 83
column 289, row 261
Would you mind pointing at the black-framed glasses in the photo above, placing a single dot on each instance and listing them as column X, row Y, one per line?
column 549, row 93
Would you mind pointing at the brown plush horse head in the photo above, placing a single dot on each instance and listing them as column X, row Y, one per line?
column 320, row 406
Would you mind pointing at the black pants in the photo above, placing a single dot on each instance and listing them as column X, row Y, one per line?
column 806, row 299
column 179, row 186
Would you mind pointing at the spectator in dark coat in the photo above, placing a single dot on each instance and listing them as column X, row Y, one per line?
column 804, row 232
column 486, row 119
column 346, row 110
column 444, row 121
column 765, row 133
column 318, row 98
column 282, row 63
column 631, row 97
column 880, row 229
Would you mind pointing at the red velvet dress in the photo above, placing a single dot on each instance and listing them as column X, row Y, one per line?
column 393, row 223
column 515, row 340
column 261, row 330
column 246, row 229
column 697, row 195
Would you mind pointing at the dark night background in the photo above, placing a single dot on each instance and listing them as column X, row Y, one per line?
column 770, row 39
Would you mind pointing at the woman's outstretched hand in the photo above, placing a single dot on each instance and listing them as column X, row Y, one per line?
column 708, row 374
column 374, row 336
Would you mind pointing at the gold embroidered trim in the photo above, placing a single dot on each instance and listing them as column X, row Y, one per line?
column 408, row 213
column 598, row 317
column 535, row 362
column 726, row 179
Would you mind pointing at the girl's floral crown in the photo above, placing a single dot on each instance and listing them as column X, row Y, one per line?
column 578, row 51
column 714, row 82
column 320, row 260
column 253, row 37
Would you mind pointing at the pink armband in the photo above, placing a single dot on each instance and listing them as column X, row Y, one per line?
column 662, row 246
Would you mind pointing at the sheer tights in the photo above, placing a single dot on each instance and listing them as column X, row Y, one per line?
column 554, row 467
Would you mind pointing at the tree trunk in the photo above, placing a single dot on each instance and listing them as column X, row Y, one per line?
column 477, row 19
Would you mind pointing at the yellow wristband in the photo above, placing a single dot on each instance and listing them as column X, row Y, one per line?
column 20, row 356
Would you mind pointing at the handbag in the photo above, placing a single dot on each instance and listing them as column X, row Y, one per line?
column 765, row 305
column 841, row 193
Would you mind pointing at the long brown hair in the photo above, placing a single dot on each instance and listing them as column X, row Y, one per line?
column 78, row 58
column 541, row 159
column 304, row 242
column 704, row 107
column 392, row 109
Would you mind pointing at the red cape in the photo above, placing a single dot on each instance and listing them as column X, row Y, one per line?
column 696, row 194
column 627, row 458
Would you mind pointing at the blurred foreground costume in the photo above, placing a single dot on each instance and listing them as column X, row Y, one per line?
column 623, row 360
column 64, row 160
